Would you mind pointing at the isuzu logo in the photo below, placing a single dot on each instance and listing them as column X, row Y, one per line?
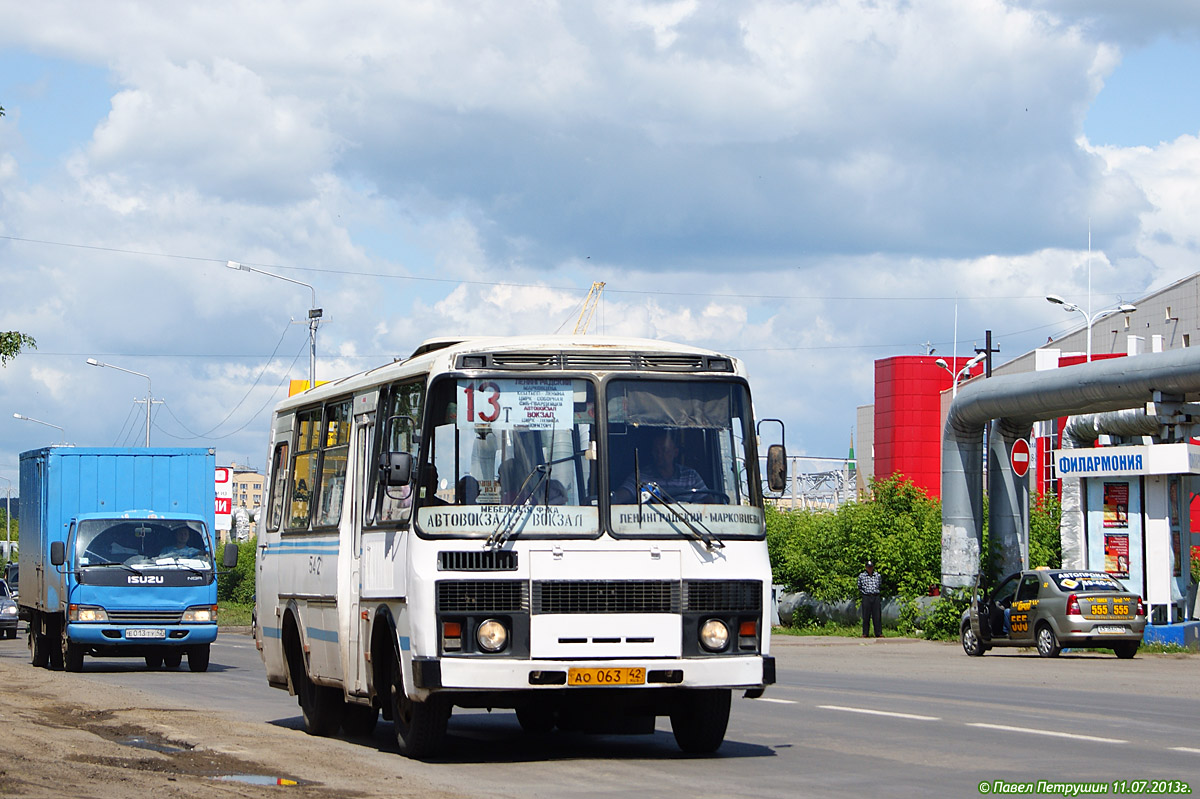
column 145, row 578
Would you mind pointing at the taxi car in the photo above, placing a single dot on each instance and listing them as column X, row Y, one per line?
column 8, row 613
column 1052, row 608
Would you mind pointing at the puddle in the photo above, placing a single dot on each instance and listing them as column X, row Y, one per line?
column 260, row 779
column 139, row 742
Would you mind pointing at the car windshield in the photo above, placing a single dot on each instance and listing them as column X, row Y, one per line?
column 142, row 543
column 679, row 458
column 519, row 450
column 1098, row 582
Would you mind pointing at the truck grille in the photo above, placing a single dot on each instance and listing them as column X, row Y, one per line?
column 144, row 617
column 606, row 596
column 716, row 596
column 481, row 596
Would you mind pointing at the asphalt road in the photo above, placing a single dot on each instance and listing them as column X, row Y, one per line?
column 889, row 718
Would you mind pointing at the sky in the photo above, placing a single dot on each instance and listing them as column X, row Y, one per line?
column 809, row 186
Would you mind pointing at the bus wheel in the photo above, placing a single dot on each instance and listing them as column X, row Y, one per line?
column 198, row 657
column 699, row 719
column 420, row 726
column 537, row 717
column 320, row 705
column 72, row 654
column 358, row 721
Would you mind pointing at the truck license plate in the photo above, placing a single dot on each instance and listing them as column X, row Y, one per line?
column 145, row 632
column 613, row 676
column 1110, row 629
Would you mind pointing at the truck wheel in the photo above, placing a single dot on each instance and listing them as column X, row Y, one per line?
column 699, row 719
column 154, row 662
column 39, row 654
column 72, row 653
column 172, row 659
column 198, row 658
column 420, row 726
column 358, row 721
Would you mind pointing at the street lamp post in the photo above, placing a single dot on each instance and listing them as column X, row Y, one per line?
column 8, row 517
column 94, row 362
column 39, row 421
column 314, row 316
column 966, row 370
column 1090, row 319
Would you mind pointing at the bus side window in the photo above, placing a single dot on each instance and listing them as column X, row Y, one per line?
column 397, row 431
column 279, row 476
column 303, row 479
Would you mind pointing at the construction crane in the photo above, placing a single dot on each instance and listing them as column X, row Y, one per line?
column 589, row 308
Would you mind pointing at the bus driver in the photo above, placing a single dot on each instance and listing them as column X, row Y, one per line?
column 677, row 481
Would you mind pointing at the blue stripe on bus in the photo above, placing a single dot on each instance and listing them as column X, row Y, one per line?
column 317, row 634
column 324, row 635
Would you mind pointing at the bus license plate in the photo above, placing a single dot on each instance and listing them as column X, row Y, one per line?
column 1110, row 629
column 613, row 676
column 145, row 632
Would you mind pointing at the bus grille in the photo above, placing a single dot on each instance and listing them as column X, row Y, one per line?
column 144, row 617
column 481, row 596
column 478, row 561
column 715, row 596
column 606, row 596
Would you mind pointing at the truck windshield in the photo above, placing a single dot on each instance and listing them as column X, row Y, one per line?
column 514, row 452
column 142, row 543
column 680, row 460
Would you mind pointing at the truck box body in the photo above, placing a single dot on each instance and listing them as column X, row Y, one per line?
column 127, row 502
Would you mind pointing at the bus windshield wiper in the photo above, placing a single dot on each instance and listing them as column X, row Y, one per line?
column 651, row 492
column 505, row 528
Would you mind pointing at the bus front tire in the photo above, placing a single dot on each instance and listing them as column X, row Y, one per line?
column 420, row 726
column 699, row 719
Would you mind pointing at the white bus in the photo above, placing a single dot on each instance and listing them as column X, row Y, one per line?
column 569, row 527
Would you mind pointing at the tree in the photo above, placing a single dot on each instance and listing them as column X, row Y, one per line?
column 11, row 344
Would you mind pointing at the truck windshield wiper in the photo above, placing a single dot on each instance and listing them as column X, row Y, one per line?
column 651, row 492
column 118, row 564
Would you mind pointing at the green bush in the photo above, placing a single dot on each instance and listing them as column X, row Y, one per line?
column 938, row 622
column 237, row 584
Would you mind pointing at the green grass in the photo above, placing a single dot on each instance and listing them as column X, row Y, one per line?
column 234, row 614
column 834, row 629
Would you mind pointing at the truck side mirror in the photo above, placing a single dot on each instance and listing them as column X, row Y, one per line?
column 396, row 468
column 58, row 553
column 776, row 467
column 229, row 557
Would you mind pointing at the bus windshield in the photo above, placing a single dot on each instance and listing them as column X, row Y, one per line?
column 142, row 543
column 518, row 451
column 678, row 459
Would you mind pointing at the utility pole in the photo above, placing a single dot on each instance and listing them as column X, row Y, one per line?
column 987, row 348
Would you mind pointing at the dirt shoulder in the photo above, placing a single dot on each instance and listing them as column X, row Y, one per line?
column 63, row 735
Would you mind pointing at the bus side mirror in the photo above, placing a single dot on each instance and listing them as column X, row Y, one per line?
column 776, row 467
column 396, row 468
column 58, row 553
column 229, row 557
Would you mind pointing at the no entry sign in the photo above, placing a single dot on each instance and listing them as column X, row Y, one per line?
column 1020, row 457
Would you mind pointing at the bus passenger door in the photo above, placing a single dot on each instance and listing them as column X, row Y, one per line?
column 356, row 673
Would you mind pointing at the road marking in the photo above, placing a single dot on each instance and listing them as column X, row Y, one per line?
column 777, row 701
column 1051, row 733
column 880, row 713
column 1187, row 749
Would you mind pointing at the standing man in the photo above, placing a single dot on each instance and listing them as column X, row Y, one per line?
column 869, row 583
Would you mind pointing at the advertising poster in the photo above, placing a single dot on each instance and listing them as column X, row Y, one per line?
column 1116, row 506
column 1116, row 554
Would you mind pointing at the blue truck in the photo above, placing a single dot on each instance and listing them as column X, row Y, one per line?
column 116, row 555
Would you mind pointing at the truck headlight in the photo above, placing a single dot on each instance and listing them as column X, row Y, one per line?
column 491, row 635
column 200, row 614
column 86, row 613
column 714, row 635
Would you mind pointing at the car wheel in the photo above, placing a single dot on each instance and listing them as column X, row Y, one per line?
column 970, row 641
column 1126, row 649
column 1047, row 642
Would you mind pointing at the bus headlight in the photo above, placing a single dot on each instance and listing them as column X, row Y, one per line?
column 491, row 635
column 200, row 614
column 714, row 635
column 86, row 613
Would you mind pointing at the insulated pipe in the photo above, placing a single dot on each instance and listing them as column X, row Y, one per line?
column 1008, row 500
column 1019, row 401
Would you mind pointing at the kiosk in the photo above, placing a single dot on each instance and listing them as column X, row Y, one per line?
column 1135, row 509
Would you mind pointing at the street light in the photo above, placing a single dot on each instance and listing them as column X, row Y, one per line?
column 39, row 421
column 314, row 316
column 1091, row 319
column 94, row 362
column 966, row 370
